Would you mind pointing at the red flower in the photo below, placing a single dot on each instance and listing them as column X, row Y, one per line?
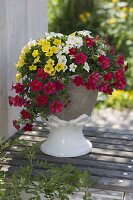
column 56, row 106
column 36, row 86
column 112, row 50
column 17, row 101
column 103, row 87
column 28, row 127
column 108, row 76
column 120, row 85
column 104, row 61
column 25, row 114
column 41, row 100
column 40, row 73
column 10, row 99
column 26, row 104
column 120, row 60
column 19, row 88
column 92, row 81
column 80, row 58
column 59, row 85
column 72, row 51
column 49, row 88
column 45, row 75
column 89, row 41
column 78, row 80
column 119, row 75
column 126, row 67
column 16, row 124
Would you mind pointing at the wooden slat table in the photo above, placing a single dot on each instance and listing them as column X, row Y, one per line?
column 111, row 160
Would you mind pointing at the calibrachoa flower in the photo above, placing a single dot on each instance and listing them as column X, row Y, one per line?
column 104, row 61
column 49, row 88
column 56, row 106
column 36, row 86
column 80, row 58
column 46, row 66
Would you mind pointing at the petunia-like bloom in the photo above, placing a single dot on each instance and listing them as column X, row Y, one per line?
column 56, row 106
column 90, row 42
column 59, row 85
column 120, row 60
column 36, row 86
column 86, row 67
column 25, row 114
column 72, row 51
column 41, row 100
column 28, row 127
column 80, row 58
column 104, row 61
column 49, row 88
column 72, row 67
column 93, row 79
column 17, row 101
column 108, row 76
column 78, row 80
column 19, row 88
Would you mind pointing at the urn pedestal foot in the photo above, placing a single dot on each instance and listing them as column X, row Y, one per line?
column 66, row 138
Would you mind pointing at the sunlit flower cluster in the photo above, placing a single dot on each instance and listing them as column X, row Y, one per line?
column 46, row 67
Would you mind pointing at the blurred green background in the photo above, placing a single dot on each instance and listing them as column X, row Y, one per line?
column 113, row 20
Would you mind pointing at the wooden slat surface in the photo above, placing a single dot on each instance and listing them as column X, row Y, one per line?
column 111, row 160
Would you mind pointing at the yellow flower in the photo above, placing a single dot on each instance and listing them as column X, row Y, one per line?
column 35, row 53
column 49, row 53
column 112, row 20
column 50, row 62
column 32, row 68
column 18, row 77
column 45, row 48
column 37, row 59
column 125, row 9
column 25, row 49
column 53, row 73
column 87, row 14
column 43, row 42
column 83, row 18
column 53, row 49
column 59, row 67
column 123, row 15
column 48, row 68
column 57, row 42
column 130, row 9
column 115, row 1
column 20, row 63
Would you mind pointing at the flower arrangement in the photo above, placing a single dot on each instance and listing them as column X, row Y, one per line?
column 46, row 67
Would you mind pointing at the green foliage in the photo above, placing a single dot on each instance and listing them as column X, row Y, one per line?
column 118, row 100
column 50, row 181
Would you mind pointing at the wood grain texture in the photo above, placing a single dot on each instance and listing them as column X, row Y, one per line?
column 113, row 168
column 19, row 21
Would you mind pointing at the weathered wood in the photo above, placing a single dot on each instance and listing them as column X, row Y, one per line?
column 111, row 160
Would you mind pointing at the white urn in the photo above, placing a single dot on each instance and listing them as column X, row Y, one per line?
column 66, row 138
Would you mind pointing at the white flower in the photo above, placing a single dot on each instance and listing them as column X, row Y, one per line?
column 72, row 67
column 100, row 51
column 66, row 49
column 59, row 54
column 53, row 34
column 86, row 67
column 66, row 67
column 62, row 59
column 74, row 41
column 85, row 33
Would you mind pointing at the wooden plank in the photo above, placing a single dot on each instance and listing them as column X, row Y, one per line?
column 113, row 147
column 112, row 153
column 90, row 162
column 116, row 184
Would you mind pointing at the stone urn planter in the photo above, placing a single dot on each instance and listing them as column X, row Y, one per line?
column 66, row 138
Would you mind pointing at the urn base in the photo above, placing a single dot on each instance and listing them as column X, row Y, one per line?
column 66, row 138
